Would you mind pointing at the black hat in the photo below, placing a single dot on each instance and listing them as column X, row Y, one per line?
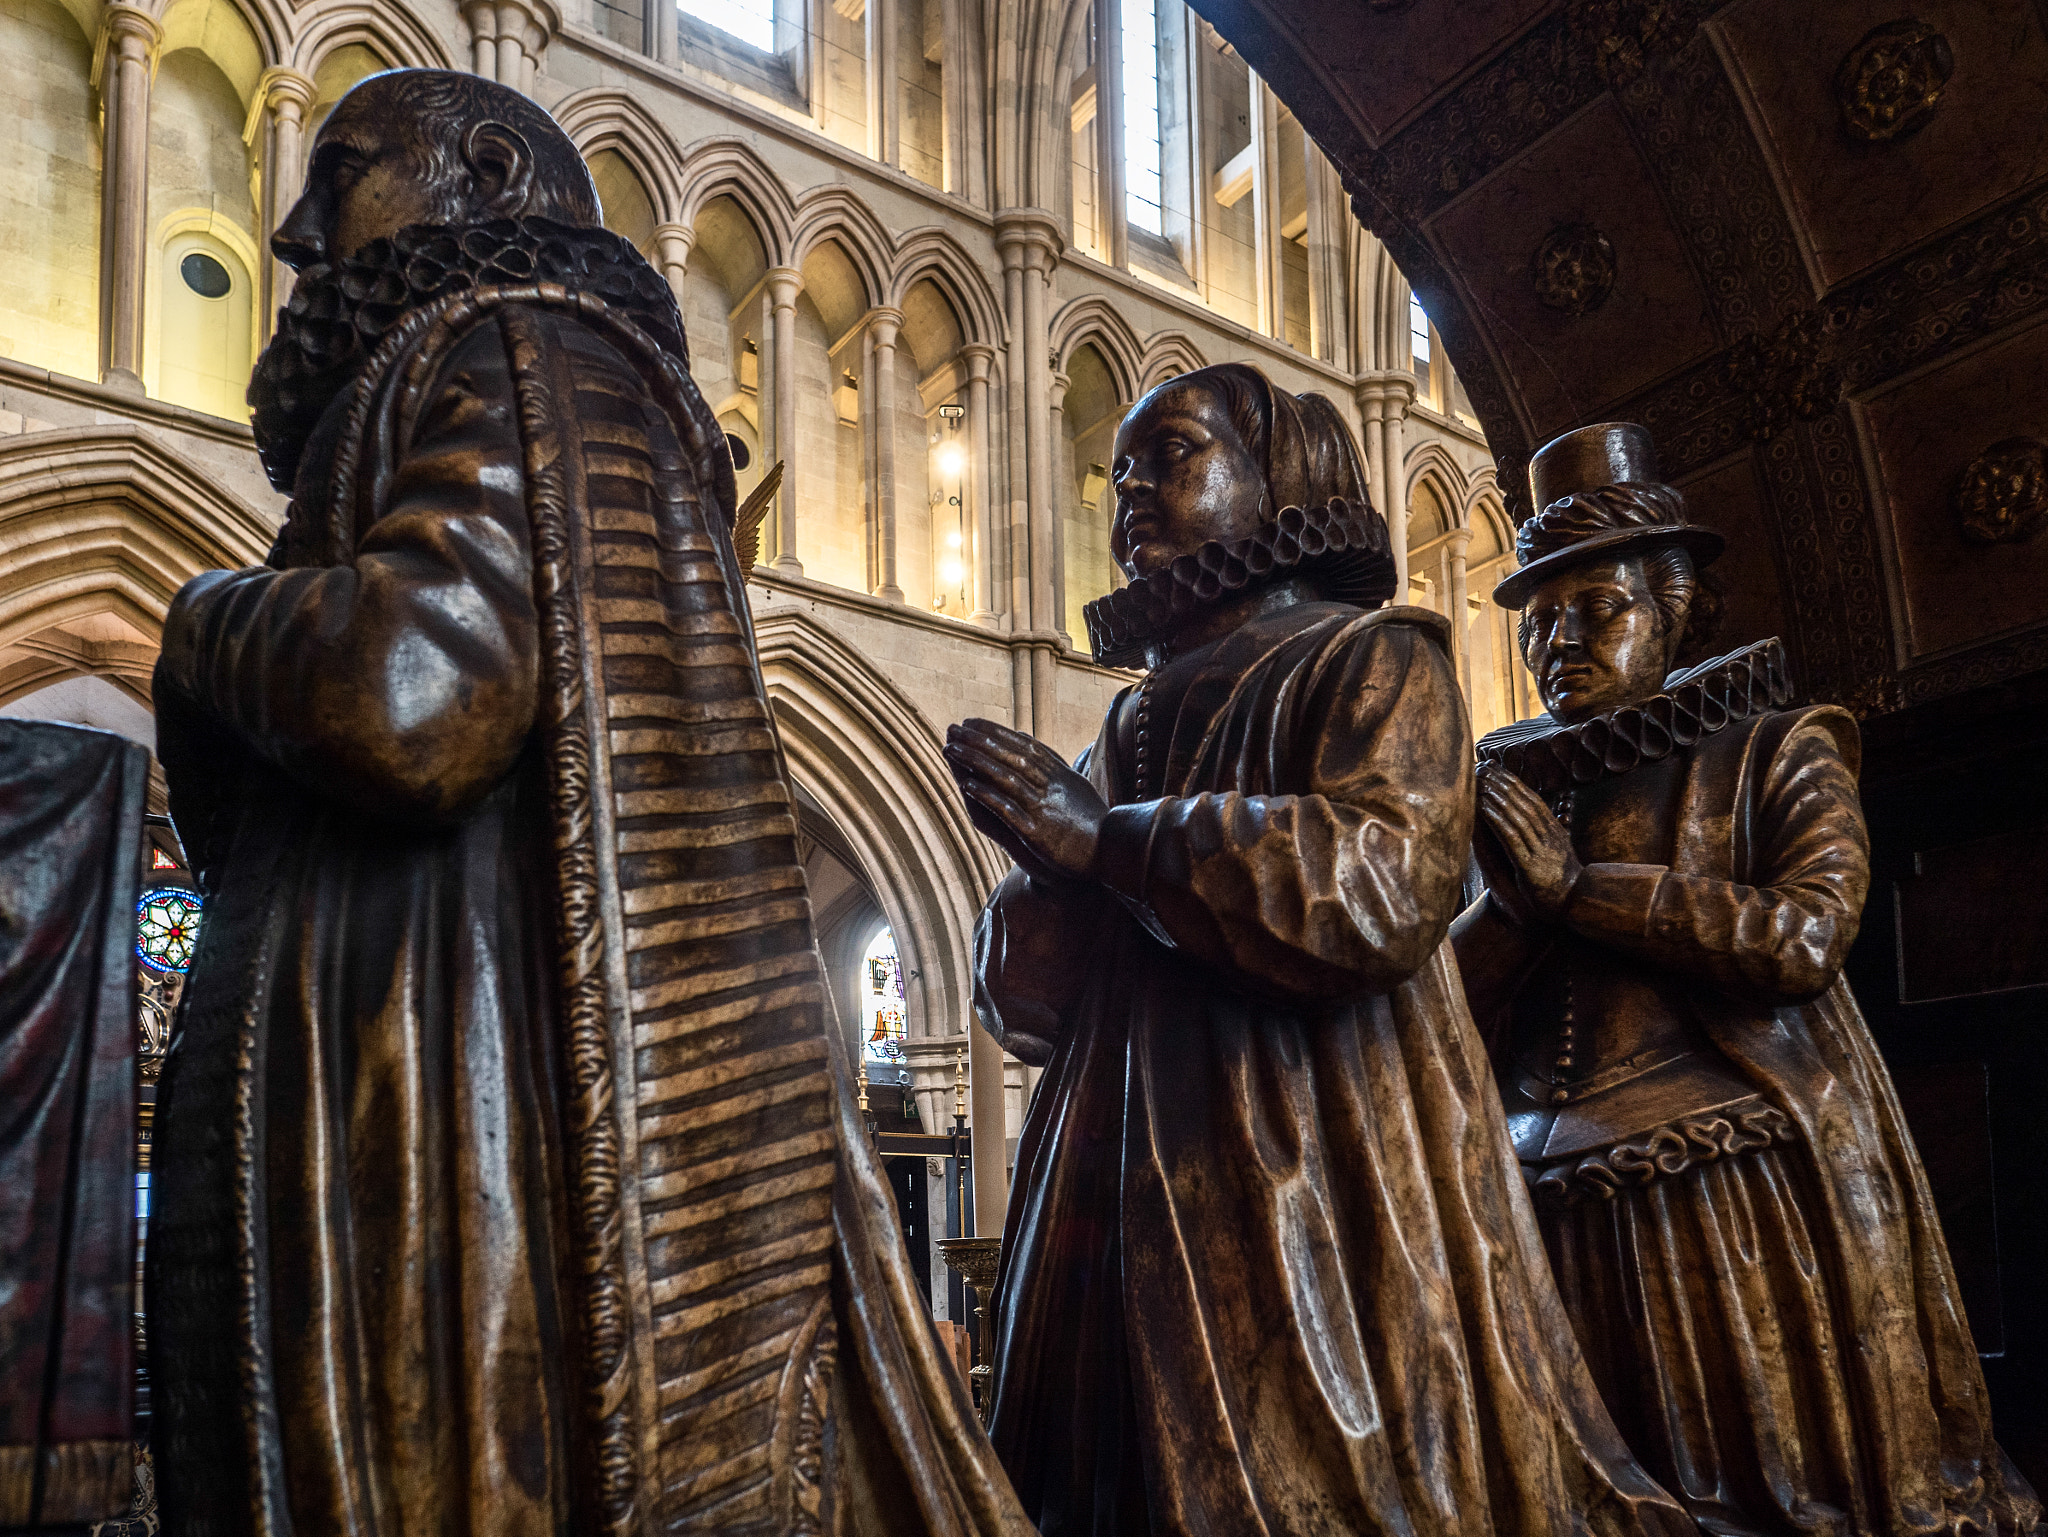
column 1592, row 459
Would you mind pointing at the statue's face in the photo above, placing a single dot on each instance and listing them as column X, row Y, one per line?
column 364, row 182
column 1593, row 638
column 1183, row 477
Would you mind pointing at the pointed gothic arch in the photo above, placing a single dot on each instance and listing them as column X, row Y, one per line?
column 872, row 761
column 602, row 119
column 933, row 253
column 1096, row 319
column 725, row 167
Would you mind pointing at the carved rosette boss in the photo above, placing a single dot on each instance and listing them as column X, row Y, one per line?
column 2002, row 497
column 1889, row 83
column 1574, row 269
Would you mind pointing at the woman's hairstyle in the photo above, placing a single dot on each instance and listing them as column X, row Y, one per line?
column 1687, row 603
column 1301, row 442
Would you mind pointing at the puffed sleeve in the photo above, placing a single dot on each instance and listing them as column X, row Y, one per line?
column 1027, row 945
column 1341, row 890
column 402, row 683
column 1781, row 940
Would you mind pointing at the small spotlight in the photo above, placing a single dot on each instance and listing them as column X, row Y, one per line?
column 952, row 459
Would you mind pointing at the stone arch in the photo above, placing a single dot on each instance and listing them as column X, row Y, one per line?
column 605, row 119
column 838, row 213
column 212, row 27
column 1430, row 465
column 1096, row 319
column 872, row 761
column 391, row 32
column 1168, row 354
column 933, row 253
column 104, row 521
column 713, row 168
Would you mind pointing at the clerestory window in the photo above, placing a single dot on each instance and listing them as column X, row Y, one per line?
column 1143, row 197
column 751, row 21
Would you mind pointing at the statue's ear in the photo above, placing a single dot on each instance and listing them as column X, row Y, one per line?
column 501, row 163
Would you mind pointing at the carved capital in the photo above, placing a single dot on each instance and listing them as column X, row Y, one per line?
column 2002, row 495
column 979, row 356
column 672, row 243
column 785, row 283
column 1889, row 82
column 884, row 324
column 287, row 89
column 126, row 31
column 1023, row 234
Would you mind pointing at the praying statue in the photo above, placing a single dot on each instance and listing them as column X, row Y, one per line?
column 1674, row 866
column 507, row 1177
column 1269, row 1265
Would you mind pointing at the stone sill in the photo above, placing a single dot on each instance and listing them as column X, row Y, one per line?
column 102, row 397
column 766, row 577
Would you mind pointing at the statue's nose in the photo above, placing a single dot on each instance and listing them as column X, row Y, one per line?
column 299, row 241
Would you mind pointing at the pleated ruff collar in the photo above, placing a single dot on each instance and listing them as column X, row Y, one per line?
column 1341, row 546
column 1551, row 757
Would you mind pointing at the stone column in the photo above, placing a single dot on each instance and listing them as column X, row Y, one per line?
column 979, row 355
column 1112, row 217
column 1029, row 241
column 129, row 39
column 884, row 93
column 1327, row 249
column 672, row 244
column 1266, row 237
column 510, row 37
column 1457, row 608
column 1062, row 495
column 1399, row 395
column 285, row 95
column 784, row 284
column 988, row 1132
column 883, row 325
column 1371, row 394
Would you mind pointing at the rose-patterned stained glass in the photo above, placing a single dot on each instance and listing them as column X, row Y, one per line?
column 167, row 929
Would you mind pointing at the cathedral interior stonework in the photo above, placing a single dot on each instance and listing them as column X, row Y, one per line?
column 934, row 262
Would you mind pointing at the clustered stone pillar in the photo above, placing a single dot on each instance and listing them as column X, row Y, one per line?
column 510, row 37
column 1455, row 607
column 884, row 96
column 784, row 284
column 672, row 244
column 978, row 356
column 129, row 39
column 883, row 326
column 1029, row 241
column 1269, row 245
column 285, row 95
column 1062, row 496
column 1383, row 401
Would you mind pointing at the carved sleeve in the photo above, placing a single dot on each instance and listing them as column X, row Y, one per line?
column 403, row 683
column 1347, row 887
column 1779, row 941
column 1028, row 943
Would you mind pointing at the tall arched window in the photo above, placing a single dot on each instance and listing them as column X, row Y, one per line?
column 883, row 1017
column 751, row 21
column 1143, row 197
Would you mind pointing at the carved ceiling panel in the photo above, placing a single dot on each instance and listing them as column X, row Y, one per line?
column 1964, row 522
column 1804, row 241
column 1890, row 122
column 1584, row 280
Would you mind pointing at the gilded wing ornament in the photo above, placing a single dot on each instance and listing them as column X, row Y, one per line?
column 746, row 523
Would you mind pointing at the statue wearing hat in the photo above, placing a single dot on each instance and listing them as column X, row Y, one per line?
column 1674, row 865
column 1268, row 1265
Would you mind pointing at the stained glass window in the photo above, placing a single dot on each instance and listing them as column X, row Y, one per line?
column 166, row 928
column 884, row 1022
column 159, row 860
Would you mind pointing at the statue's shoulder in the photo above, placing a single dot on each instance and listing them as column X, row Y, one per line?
column 1826, row 726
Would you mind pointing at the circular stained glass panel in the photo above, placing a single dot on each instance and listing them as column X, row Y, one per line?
column 167, row 928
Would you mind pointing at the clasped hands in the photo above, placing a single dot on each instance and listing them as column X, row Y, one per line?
column 1023, row 795
column 1541, row 867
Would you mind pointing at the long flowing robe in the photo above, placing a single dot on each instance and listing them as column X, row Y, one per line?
column 1269, row 1267
column 1777, row 1326
column 509, row 1181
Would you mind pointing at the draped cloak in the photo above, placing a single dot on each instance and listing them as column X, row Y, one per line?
column 508, row 1178
column 1780, row 1330
column 1269, row 1266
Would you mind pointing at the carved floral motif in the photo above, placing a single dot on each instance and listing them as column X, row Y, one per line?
column 2002, row 496
column 1889, row 83
column 1574, row 269
column 1621, row 36
column 1780, row 377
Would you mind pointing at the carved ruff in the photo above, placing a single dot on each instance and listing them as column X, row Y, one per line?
column 1551, row 757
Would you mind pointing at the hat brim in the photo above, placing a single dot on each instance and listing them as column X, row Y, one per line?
column 1703, row 544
